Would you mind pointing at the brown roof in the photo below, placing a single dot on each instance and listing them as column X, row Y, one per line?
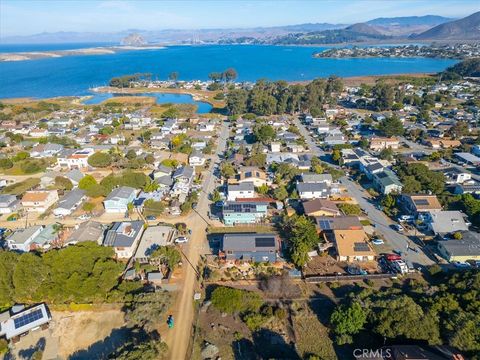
column 319, row 204
column 351, row 243
column 35, row 196
column 425, row 202
column 338, row 223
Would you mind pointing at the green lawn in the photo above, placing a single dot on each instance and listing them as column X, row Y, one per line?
column 21, row 187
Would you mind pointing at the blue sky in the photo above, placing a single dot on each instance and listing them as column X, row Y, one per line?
column 25, row 17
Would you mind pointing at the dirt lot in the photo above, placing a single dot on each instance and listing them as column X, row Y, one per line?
column 75, row 335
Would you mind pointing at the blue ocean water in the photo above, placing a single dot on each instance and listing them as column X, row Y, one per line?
column 161, row 98
column 74, row 75
column 13, row 48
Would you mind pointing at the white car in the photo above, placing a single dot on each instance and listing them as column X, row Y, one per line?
column 84, row 217
column 378, row 241
column 181, row 240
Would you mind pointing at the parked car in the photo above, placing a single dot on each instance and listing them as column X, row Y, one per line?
column 398, row 227
column 151, row 217
column 461, row 265
column 84, row 217
column 181, row 240
column 378, row 241
column 406, row 218
column 194, row 205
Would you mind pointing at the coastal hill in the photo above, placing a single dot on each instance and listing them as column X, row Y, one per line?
column 363, row 28
column 407, row 25
column 467, row 28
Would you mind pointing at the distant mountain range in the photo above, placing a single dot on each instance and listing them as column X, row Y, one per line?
column 428, row 27
column 467, row 28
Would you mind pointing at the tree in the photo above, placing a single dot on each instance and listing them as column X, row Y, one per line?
column 63, row 183
column 384, row 95
column 87, row 182
column 167, row 255
column 347, row 321
column 100, row 159
column 97, row 190
column 147, row 309
column 88, row 207
column 6, row 163
column 264, row 133
column 216, row 196
column 386, row 154
column 336, row 155
column 151, row 349
column 236, row 101
column 131, row 154
column 173, row 76
column 280, row 193
column 465, row 333
column 230, row 74
column 391, row 126
column 227, row 170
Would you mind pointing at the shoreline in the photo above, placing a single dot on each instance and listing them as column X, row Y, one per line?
column 205, row 95
column 49, row 54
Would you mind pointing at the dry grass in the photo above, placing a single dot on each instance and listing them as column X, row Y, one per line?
column 312, row 337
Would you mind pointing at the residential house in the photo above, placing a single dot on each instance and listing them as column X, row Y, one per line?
column 467, row 188
column 153, row 237
column 329, row 223
column 204, row 127
column 249, row 247
column 45, row 150
column 275, row 147
column 87, row 231
column 320, row 207
column 23, row 239
column 196, row 158
column 124, row 237
column 351, row 245
column 417, row 204
column 250, row 211
column 380, row 143
column 466, row 248
column 38, row 133
column 456, row 176
column 317, row 178
column 184, row 174
column 77, row 159
column 39, row 201
column 18, row 321
column 467, row 158
column 387, row 182
column 161, row 171
column 117, row 201
column 169, row 126
column 69, row 202
column 75, row 176
column 8, row 204
column 252, row 174
column 334, row 137
column 308, row 191
column 445, row 222
column 48, row 179
column 240, row 191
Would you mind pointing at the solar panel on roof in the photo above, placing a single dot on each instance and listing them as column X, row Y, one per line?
column 420, row 201
column 360, row 246
column 324, row 224
column 27, row 318
column 265, row 242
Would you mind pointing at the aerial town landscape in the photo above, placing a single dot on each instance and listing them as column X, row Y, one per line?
column 164, row 195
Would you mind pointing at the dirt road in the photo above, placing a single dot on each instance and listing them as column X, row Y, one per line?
column 178, row 338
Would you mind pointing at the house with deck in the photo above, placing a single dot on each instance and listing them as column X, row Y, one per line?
column 249, row 247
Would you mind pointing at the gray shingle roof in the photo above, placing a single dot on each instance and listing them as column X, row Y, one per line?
column 249, row 242
column 71, row 199
column 123, row 234
column 122, row 192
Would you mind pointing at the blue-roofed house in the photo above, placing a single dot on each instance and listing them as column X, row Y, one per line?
column 124, row 237
column 244, row 212
column 117, row 201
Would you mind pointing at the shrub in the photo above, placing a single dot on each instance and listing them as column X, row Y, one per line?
column 232, row 301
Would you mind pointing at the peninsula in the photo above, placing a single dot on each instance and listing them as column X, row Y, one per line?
column 446, row 51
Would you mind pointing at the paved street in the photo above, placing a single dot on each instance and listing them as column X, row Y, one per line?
column 179, row 337
column 382, row 223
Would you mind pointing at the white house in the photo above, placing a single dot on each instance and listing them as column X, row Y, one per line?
column 69, row 202
column 39, row 201
column 196, row 159
column 313, row 190
column 22, row 239
column 8, row 204
column 241, row 191
column 124, row 237
column 76, row 160
column 206, row 127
